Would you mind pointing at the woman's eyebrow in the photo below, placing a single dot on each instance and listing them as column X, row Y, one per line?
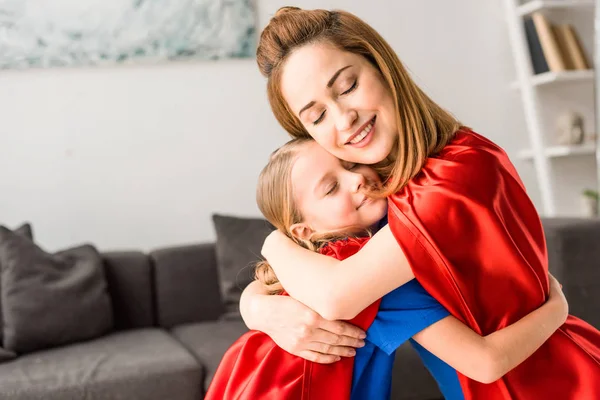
column 335, row 76
column 329, row 85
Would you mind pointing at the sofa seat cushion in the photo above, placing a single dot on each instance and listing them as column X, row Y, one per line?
column 146, row 364
column 209, row 341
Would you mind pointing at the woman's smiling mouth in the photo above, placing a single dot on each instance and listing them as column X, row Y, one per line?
column 364, row 134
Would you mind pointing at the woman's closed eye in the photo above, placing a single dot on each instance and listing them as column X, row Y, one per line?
column 316, row 122
column 354, row 86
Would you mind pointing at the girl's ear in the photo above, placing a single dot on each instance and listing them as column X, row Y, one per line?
column 302, row 231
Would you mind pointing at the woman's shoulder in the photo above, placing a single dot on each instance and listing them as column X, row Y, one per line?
column 472, row 146
column 471, row 158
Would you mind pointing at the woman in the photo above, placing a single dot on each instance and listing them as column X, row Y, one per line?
column 290, row 194
column 460, row 220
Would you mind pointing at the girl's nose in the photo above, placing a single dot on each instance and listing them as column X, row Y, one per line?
column 358, row 181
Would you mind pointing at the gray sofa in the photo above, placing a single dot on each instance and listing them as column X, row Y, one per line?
column 172, row 326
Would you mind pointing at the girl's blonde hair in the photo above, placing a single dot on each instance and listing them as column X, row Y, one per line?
column 424, row 128
column 275, row 199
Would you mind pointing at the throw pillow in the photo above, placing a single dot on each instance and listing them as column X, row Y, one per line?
column 51, row 299
column 24, row 230
column 238, row 245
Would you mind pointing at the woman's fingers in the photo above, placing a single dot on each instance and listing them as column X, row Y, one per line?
column 334, row 341
column 318, row 357
column 343, row 329
column 328, row 349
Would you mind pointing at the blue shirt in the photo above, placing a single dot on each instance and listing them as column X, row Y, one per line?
column 402, row 314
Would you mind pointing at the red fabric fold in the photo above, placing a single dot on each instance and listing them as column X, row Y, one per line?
column 475, row 242
column 254, row 367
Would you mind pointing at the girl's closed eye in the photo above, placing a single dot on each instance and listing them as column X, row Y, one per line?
column 332, row 189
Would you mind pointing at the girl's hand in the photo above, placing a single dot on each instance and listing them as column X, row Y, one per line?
column 557, row 296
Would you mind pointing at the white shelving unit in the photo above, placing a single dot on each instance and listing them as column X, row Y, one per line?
column 562, row 172
column 536, row 5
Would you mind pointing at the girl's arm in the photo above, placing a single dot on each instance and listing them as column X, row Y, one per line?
column 339, row 289
column 486, row 359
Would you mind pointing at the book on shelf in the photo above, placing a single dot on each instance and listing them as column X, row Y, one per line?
column 552, row 53
column 573, row 51
column 552, row 47
column 538, row 61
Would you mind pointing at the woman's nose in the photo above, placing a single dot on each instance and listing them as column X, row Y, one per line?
column 345, row 119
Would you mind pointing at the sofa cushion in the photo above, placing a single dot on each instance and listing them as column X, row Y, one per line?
column 187, row 285
column 25, row 231
column 144, row 364
column 238, row 246
column 129, row 281
column 573, row 257
column 410, row 378
column 208, row 342
column 51, row 299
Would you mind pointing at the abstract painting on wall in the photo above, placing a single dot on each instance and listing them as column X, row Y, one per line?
column 54, row 33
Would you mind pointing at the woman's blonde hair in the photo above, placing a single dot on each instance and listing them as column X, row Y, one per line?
column 275, row 199
column 424, row 128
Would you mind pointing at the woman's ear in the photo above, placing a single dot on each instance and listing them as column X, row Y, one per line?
column 301, row 231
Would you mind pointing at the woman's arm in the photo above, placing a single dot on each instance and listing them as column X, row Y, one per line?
column 339, row 289
column 486, row 359
column 296, row 328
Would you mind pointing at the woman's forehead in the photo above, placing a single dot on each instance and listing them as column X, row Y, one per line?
column 308, row 70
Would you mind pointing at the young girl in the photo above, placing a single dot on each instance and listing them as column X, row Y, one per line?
column 320, row 203
column 460, row 220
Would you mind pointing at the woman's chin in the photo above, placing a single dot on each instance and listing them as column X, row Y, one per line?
column 374, row 153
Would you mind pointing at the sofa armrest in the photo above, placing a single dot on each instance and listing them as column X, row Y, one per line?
column 187, row 285
column 574, row 259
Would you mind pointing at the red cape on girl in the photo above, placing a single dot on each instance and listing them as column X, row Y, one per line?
column 475, row 242
column 254, row 367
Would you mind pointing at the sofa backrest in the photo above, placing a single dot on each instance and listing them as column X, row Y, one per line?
column 129, row 280
column 167, row 287
column 186, row 283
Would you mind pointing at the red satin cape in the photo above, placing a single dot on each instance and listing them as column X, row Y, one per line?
column 255, row 368
column 475, row 242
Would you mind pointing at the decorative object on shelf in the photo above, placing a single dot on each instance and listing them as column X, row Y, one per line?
column 590, row 200
column 570, row 128
column 59, row 33
column 552, row 42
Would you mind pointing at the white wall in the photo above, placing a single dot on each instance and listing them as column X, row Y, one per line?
column 140, row 156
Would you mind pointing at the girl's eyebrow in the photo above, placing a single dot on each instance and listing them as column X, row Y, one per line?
column 329, row 85
column 321, row 182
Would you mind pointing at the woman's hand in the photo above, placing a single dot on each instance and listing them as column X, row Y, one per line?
column 297, row 329
column 557, row 296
